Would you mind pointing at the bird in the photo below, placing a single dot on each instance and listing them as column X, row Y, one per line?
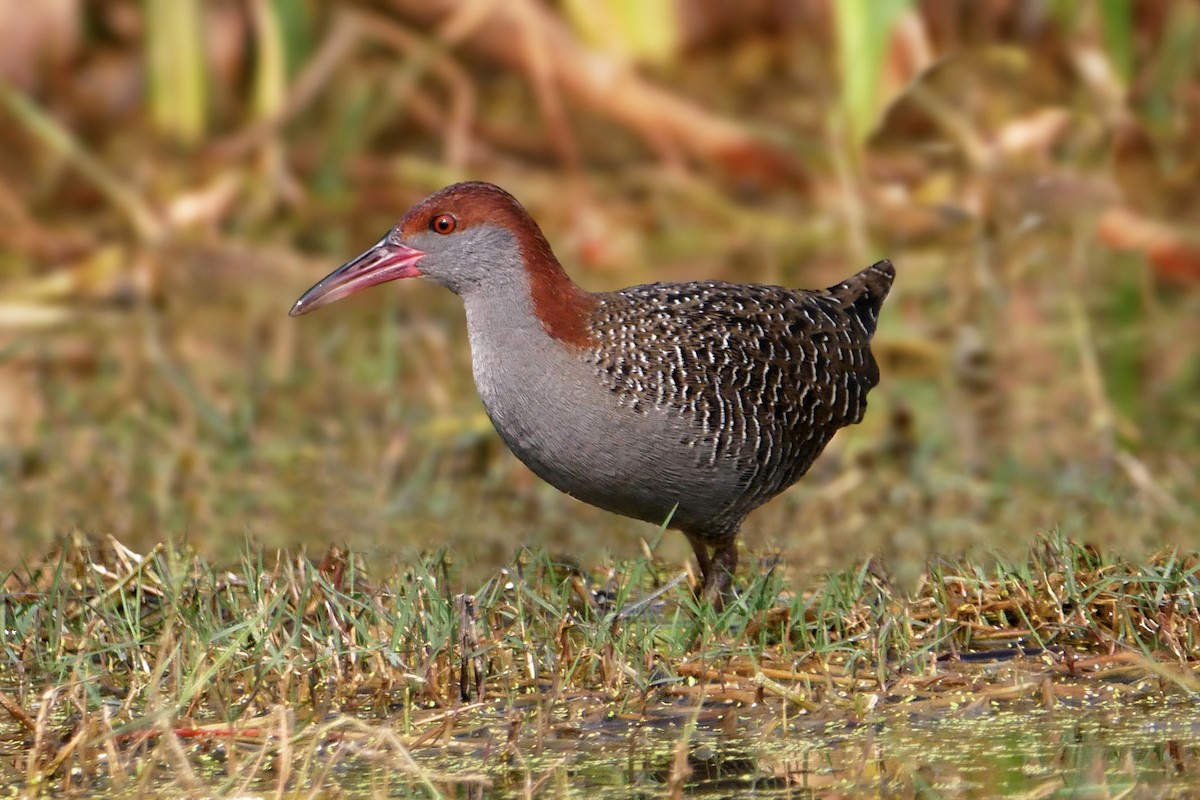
column 689, row 403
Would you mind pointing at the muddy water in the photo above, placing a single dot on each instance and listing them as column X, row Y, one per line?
column 1145, row 749
column 528, row 747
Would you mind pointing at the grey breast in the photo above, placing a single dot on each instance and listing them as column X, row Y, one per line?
column 551, row 411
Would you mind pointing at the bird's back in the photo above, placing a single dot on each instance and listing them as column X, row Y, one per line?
column 764, row 375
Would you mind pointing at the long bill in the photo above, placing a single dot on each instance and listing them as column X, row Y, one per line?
column 386, row 261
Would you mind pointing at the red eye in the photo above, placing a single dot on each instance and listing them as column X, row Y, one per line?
column 443, row 224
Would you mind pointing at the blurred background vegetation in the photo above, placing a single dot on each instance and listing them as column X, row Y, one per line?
column 174, row 173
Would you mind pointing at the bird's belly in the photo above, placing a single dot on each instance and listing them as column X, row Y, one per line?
column 641, row 464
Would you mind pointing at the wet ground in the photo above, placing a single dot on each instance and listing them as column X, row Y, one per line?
column 1143, row 749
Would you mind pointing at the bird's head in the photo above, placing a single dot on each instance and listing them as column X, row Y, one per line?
column 467, row 237
column 476, row 240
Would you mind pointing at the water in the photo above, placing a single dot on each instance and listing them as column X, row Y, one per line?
column 1125, row 741
column 1143, row 749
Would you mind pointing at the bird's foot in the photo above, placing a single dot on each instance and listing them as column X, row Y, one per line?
column 717, row 587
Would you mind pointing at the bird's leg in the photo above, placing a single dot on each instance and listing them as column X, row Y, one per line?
column 718, row 582
column 703, row 560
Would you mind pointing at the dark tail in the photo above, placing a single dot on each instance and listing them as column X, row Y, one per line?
column 864, row 293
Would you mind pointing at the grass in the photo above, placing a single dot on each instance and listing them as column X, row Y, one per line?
column 129, row 670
